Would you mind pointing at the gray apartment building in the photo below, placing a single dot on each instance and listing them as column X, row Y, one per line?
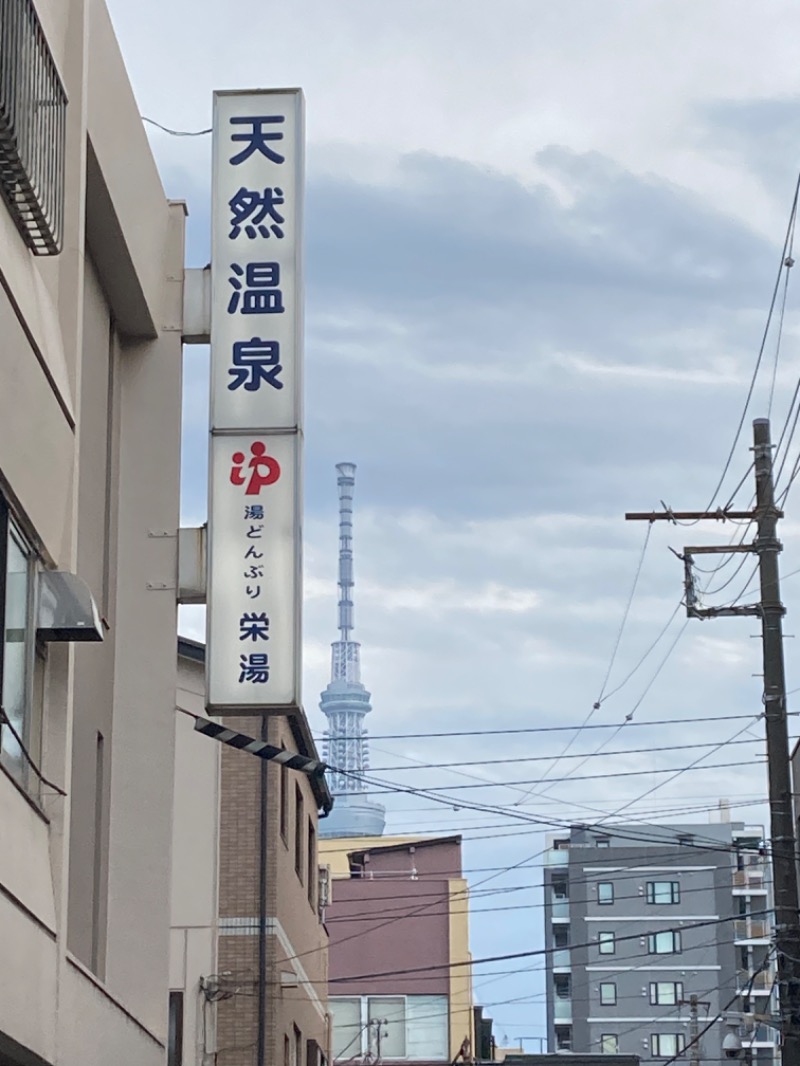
column 640, row 918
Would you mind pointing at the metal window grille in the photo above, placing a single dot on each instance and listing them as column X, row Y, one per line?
column 33, row 108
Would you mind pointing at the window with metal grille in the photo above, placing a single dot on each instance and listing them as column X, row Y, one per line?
column 33, row 108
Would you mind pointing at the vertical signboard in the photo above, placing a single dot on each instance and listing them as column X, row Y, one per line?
column 254, row 558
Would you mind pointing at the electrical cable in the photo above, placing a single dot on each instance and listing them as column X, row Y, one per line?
column 176, row 133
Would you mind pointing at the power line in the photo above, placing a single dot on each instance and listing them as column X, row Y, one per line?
column 176, row 133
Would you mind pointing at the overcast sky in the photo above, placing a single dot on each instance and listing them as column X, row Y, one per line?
column 541, row 244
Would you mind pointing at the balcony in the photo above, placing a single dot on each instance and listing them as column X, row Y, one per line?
column 556, row 857
column 750, row 929
column 561, row 959
column 559, row 911
column 33, row 109
column 755, row 983
column 751, row 879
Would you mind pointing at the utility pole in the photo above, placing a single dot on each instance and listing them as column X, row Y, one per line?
column 693, row 1003
column 771, row 611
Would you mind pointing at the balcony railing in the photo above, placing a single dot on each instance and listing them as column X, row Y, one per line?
column 33, row 108
column 760, row 982
column 560, row 910
column 561, row 959
column 562, row 1009
column 750, row 929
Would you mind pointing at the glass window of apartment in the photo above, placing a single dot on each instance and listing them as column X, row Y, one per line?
column 609, row 1044
column 299, row 826
column 561, row 936
column 560, row 888
column 386, row 1016
column 562, row 982
column 16, row 668
column 605, row 891
column 563, row 1038
column 608, row 994
column 663, row 892
column 312, row 863
column 602, row 842
column 666, row 993
column 666, row 943
column 347, row 1027
column 606, row 943
column 666, row 1045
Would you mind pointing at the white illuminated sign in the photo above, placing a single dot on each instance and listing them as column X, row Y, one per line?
column 254, row 566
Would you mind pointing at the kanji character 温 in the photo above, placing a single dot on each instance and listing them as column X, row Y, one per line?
column 258, row 208
column 255, row 361
column 257, row 138
column 260, row 294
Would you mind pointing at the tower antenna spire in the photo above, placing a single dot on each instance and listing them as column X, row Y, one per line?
column 345, row 702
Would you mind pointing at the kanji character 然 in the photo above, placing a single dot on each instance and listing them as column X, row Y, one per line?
column 261, row 209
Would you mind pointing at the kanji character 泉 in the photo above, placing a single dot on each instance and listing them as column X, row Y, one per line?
column 265, row 470
column 258, row 208
column 254, row 668
column 255, row 361
column 257, row 138
column 254, row 510
column 251, row 553
column 254, row 532
column 254, row 626
column 253, row 593
column 253, row 572
column 260, row 294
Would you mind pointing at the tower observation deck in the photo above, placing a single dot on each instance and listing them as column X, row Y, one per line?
column 346, row 702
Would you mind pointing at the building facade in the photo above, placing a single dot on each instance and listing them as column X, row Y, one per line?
column 399, row 908
column 249, row 950
column 91, row 268
column 638, row 919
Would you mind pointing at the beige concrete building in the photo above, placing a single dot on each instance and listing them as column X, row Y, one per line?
column 91, row 267
column 248, row 941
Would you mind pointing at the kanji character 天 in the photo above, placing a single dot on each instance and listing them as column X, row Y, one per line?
column 259, row 208
column 260, row 294
column 255, row 361
column 253, row 626
column 257, row 138
column 254, row 668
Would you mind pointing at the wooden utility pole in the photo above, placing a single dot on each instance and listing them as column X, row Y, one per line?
column 693, row 1047
column 771, row 611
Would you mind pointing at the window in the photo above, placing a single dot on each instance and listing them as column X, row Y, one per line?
column 560, row 888
column 311, row 881
column 663, row 892
column 666, row 993
column 561, row 936
column 606, row 944
column 394, row 1027
column 609, row 1044
column 287, row 1051
column 666, row 943
column 299, row 823
column 686, row 840
column 608, row 994
column 562, row 983
column 605, row 892
column 32, row 136
column 17, row 598
column 284, row 801
column 175, row 1037
column 602, row 842
column 298, row 1047
column 666, row 1045
column 563, row 1038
